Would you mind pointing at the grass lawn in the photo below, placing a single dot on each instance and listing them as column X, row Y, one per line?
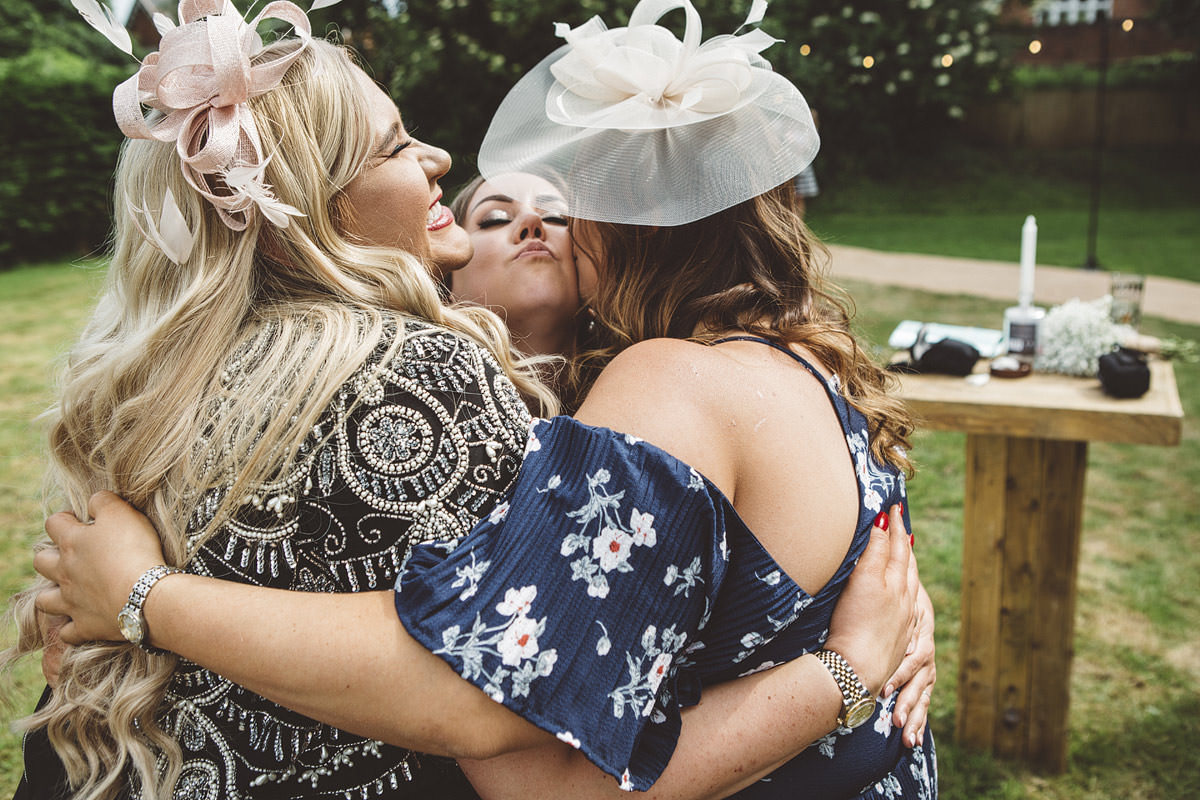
column 41, row 311
column 972, row 202
column 1135, row 713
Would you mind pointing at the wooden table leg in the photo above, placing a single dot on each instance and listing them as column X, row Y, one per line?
column 1022, row 517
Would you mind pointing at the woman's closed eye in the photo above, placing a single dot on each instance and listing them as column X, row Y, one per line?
column 396, row 150
column 494, row 217
column 503, row 217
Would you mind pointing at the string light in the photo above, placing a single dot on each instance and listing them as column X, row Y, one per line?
column 947, row 60
column 1127, row 25
column 805, row 49
column 869, row 61
column 1035, row 47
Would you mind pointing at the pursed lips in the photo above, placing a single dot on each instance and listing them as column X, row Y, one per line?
column 535, row 249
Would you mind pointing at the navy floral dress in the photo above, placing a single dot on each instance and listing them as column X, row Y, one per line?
column 616, row 582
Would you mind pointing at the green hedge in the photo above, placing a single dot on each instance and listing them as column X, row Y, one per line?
column 1162, row 71
column 60, row 143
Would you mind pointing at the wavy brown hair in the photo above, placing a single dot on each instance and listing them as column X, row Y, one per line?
column 754, row 267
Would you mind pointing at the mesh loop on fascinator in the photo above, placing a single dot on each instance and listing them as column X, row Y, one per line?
column 647, row 129
column 200, row 81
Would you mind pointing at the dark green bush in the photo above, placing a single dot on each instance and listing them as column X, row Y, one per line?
column 449, row 63
column 60, row 143
column 1168, row 70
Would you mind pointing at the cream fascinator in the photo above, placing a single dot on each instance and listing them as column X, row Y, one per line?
column 650, row 130
column 199, row 81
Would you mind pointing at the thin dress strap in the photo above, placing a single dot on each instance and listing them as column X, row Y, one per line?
column 800, row 359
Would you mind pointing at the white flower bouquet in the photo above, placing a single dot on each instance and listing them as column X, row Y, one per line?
column 1075, row 334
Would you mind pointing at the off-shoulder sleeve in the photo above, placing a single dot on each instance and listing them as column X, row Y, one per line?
column 571, row 602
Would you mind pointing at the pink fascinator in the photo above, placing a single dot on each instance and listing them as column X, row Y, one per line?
column 200, row 81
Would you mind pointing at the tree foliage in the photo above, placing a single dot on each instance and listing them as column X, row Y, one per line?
column 889, row 78
column 449, row 63
column 57, row 131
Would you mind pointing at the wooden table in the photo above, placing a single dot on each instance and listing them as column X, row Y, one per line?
column 1025, row 464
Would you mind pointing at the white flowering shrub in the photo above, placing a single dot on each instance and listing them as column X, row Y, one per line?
column 1075, row 335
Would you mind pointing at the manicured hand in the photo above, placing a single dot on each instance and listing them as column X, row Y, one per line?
column 95, row 566
column 875, row 623
column 916, row 676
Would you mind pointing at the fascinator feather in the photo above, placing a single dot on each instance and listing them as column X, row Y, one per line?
column 200, row 81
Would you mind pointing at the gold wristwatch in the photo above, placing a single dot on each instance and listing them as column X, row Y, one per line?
column 858, row 705
column 130, row 619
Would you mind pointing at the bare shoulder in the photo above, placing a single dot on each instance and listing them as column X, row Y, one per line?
column 669, row 392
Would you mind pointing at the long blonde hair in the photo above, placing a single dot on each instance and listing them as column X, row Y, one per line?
column 753, row 267
column 244, row 344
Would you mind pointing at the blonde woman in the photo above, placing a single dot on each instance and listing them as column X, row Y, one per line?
column 271, row 375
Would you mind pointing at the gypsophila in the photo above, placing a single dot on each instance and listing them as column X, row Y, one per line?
column 1074, row 336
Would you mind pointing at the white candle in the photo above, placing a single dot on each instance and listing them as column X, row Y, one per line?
column 1028, row 259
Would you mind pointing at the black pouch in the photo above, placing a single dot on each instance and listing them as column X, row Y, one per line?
column 1124, row 373
column 945, row 357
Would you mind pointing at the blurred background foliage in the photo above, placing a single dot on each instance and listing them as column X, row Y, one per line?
column 891, row 80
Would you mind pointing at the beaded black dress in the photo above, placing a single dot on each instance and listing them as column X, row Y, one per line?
column 413, row 449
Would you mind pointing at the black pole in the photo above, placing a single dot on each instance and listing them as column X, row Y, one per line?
column 1091, row 261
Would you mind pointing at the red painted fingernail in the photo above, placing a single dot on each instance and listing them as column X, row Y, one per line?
column 881, row 521
column 912, row 540
column 902, row 509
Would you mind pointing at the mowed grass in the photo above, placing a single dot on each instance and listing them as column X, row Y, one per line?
column 972, row 202
column 42, row 309
column 1135, row 714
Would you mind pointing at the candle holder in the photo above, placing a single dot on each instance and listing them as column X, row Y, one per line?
column 1022, row 330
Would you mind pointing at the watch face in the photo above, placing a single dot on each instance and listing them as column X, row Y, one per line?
column 130, row 623
column 859, row 712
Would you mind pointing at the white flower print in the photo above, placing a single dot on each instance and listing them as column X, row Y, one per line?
column 519, row 641
column 517, row 601
column 643, row 529
column 763, row 667
column 569, row 738
column 686, row 578
column 514, row 641
column 611, row 548
column 469, row 576
column 889, row 787
column 641, row 690
column 826, row 744
column 752, row 639
column 603, row 644
column 695, row 481
column 876, row 482
column 498, row 513
column 626, row 783
column 630, row 439
column 883, row 722
column 551, row 484
column 533, row 444
column 770, row 579
column 919, row 768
